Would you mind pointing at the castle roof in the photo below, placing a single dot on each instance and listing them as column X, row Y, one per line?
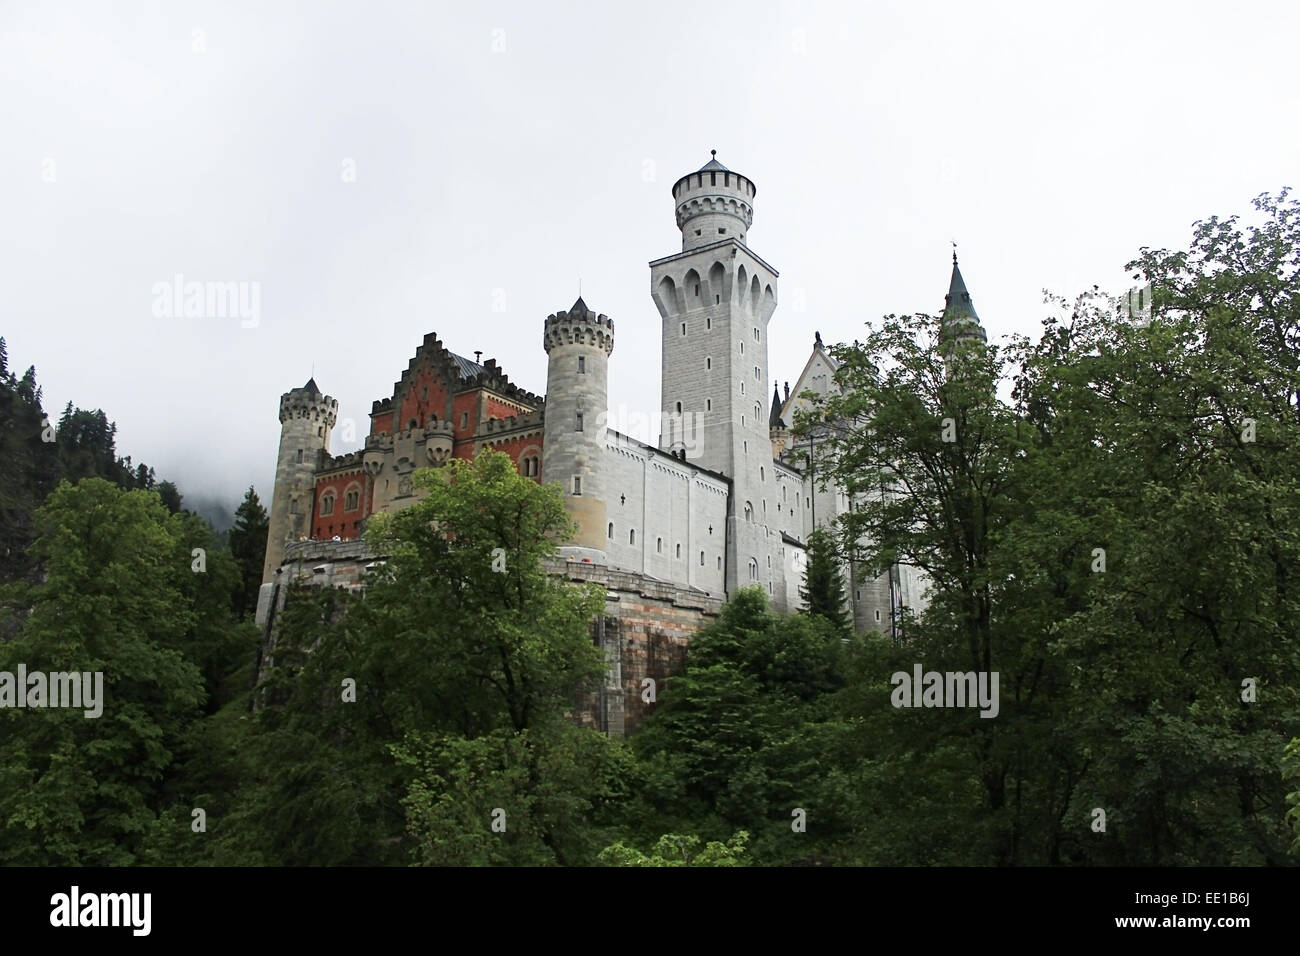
column 579, row 307
column 958, row 309
column 312, row 387
column 465, row 368
column 714, row 166
column 774, row 420
column 957, row 303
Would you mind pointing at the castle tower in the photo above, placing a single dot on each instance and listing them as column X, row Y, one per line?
column 578, row 345
column 306, row 418
column 959, row 324
column 716, row 297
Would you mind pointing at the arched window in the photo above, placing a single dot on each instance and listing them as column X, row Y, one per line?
column 679, row 550
column 631, row 536
column 659, row 545
column 749, row 511
column 611, row 531
column 327, row 505
column 753, row 569
column 701, row 559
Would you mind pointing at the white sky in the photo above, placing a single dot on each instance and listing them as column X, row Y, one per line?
column 1050, row 143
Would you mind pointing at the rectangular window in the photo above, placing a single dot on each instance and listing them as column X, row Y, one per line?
column 579, row 421
column 577, row 485
column 683, row 328
column 464, row 419
column 582, row 364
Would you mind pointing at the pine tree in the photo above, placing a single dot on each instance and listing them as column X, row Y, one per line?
column 248, row 545
column 823, row 589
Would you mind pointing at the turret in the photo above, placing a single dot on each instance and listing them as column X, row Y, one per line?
column 578, row 345
column 713, row 203
column 959, row 324
column 306, row 418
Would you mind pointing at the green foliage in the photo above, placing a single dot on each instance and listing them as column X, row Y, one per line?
column 119, row 598
column 248, row 546
column 676, row 849
column 823, row 588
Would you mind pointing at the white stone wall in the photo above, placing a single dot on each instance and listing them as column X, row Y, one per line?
column 665, row 503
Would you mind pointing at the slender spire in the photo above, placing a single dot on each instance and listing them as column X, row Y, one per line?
column 774, row 420
column 960, row 321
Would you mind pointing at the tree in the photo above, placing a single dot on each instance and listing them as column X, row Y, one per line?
column 248, row 545
column 77, row 790
column 464, row 655
column 823, row 588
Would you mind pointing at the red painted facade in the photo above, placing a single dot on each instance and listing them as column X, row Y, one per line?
column 341, row 522
column 431, row 390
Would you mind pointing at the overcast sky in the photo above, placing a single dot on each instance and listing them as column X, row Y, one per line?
column 383, row 170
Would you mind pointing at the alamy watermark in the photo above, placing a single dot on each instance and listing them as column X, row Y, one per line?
column 82, row 691
column 950, row 689
column 179, row 299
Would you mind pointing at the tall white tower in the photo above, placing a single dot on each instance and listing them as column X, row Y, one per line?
column 716, row 298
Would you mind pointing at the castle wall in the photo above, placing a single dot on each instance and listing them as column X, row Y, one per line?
column 667, row 503
column 644, row 631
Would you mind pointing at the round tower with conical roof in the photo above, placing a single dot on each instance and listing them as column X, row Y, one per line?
column 307, row 417
column 578, row 345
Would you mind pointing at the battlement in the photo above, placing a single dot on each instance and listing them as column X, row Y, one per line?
column 578, row 326
column 308, row 403
column 513, row 423
column 713, row 203
column 470, row 375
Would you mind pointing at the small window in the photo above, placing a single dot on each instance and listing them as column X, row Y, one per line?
column 579, row 421
column 320, row 432
column 708, row 322
column 742, row 348
column 708, row 404
column 717, row 300
column 713, row 179
column 762, row 474
column 582, row 364
column 877, row 614
column 631, row 536
column 464, row 419
column 424, row 392
column 300, row 456
column 701, row 559
column 577, row 485
column 719, row 562
column 683, row 328
column 679, row 408
column 697, row 232
column 726, row 179
column 610, row 534
column 697, row 285
column 722, row 232
column 679, row 550
column 742, row 421
column 293, row 506
column 659, row 545
column 327, row 505
column 746, row 448
column 708, row 363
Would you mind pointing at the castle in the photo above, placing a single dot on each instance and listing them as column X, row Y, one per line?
column 723, row 501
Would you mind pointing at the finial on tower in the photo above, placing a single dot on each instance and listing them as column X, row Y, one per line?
column 713, row 153
column 954, row 252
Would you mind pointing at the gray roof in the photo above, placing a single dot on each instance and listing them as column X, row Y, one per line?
column 774, row 420
column 465, row 367
column 957, row 303
column 311, row 386
column 714, row 166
